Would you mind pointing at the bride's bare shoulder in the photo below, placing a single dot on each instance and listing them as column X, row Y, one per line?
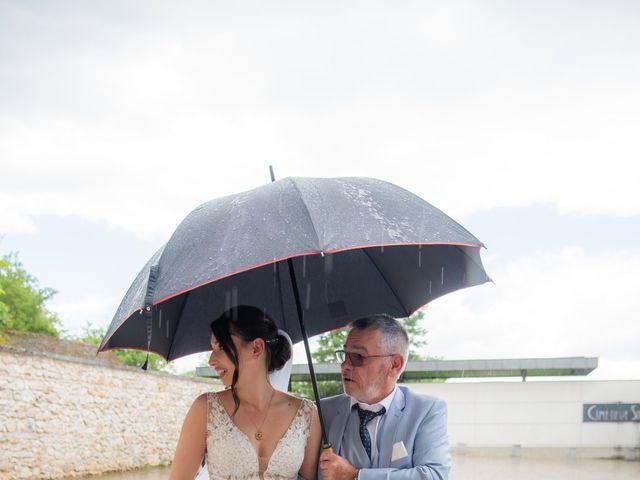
column 200, row 403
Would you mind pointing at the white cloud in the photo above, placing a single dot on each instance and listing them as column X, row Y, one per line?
column 90, row 308
column 133, row 120
column 610, row 369
column 569, row 303
column 14, row 218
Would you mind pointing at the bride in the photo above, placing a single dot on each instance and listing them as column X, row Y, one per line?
column 251, row 430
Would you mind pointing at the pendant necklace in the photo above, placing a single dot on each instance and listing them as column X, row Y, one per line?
column 258, row 435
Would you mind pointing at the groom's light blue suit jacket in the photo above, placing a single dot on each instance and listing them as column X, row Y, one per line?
column 418, row 421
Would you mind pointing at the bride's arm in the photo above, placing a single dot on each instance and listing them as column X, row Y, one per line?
column 309, row 468
column 192, row 442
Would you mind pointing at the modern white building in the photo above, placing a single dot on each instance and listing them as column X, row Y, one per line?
column 572, row 418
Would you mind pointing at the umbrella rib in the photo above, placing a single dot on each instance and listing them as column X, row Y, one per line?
column 395, row 294
column 313, row 225
column 179, row 317
column 464, row 252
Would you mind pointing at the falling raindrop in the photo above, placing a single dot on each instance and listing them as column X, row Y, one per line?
column 419, row 256
column 234, row 296
column 304, row 266
column 442, row 276
column 160, row 319
column 227, row 300
column 307, row 301
column 167, row 328
column 429, row 287
column 328, row 264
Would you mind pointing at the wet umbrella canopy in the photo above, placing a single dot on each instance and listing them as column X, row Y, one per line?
column 356, row 246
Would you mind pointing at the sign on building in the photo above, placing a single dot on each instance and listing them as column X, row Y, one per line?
column 611, row 412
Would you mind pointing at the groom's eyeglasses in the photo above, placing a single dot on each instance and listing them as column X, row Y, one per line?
column 356, row 359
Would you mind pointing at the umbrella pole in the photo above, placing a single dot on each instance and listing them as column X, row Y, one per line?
column 305, row 338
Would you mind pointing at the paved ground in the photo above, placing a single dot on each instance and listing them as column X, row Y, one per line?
column 510, row 468
column 467, row 467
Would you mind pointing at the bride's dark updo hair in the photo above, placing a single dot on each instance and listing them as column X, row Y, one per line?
column 249, row 323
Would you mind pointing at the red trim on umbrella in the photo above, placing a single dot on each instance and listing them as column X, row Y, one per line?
column 173, row 295
column 106, row 340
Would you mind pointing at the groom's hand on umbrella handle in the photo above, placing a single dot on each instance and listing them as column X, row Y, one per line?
column 334, row 467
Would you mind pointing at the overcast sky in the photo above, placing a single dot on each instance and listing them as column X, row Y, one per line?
column 518, row 119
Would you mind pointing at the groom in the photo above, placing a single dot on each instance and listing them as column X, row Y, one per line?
column 378, row 429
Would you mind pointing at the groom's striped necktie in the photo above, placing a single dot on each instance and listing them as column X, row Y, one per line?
column 365, row 417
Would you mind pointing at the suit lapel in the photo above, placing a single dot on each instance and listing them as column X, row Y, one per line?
column 388, row 433
column 338, row 425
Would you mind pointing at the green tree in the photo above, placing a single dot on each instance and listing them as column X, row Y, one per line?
column 22, row 300
column 134, row 358
column 334, row 340
column 328, row 344
column 417, row 334
column 326, row 388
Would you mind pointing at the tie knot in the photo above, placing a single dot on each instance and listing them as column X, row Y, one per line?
column 367, row 415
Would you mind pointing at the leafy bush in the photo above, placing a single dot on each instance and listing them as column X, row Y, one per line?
column 22, row 301
column 326, row 388
column 134, row 358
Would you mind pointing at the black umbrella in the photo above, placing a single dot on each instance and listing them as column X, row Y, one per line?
column 318, row 252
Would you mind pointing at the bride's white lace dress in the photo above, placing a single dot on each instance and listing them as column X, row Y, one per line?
column 230, row 455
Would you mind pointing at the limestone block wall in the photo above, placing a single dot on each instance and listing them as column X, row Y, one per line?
column 63, row 417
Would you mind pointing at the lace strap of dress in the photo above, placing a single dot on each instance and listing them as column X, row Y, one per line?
column 216, row 414
column 302, row 420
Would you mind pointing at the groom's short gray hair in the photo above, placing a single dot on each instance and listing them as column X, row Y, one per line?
column 394, row 336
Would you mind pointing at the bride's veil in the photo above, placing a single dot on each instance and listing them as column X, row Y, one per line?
column 279, row 379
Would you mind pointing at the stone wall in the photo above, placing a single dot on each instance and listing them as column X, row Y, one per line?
column 61, row 416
